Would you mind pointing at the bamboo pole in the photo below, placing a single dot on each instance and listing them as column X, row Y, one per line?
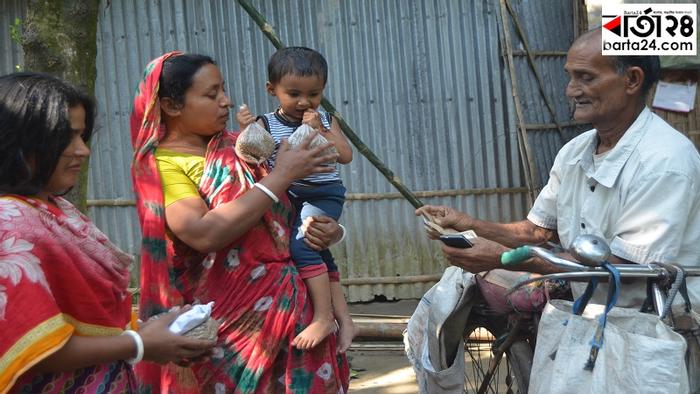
column 580, row 17
column 391, row 280
column 110, row 203
column 383, row 346
column 439, row 193
column 528, row 162
column 541, row 53
column 367, row 196
column 347, row 130
column 378, row 280
column 577, row 17
column 535, row 71
column 376, row 328
column 545, row 126
column 531, row 62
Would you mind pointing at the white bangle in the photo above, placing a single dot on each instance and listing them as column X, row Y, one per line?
column 139, row 346
column 267, row 191
column 343, row 237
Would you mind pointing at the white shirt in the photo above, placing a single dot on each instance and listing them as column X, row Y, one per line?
column 643, row 198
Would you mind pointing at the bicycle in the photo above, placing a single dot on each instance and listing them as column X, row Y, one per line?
column 514, row 335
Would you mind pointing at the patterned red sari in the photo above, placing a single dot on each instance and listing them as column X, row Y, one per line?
column 258, row 294
column 59, row 276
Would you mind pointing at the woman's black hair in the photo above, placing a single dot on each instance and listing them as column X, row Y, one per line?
column 177, row 75
column 300, row 61
column 35, row 128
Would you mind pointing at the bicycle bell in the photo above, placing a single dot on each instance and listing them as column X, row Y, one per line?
column 590, row 250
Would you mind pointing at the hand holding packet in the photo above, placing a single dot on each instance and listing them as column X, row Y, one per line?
column 459, row 240
column 449, row 236
column 431, row 225
column 191, row 319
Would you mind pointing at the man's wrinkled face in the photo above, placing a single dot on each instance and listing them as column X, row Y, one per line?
column 597, row 91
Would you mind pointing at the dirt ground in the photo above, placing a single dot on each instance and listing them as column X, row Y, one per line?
column 381, row 371
column 381, row 366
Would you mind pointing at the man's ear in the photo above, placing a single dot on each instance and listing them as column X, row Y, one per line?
column 270, row 88
column 635, row 79
column 170, row 107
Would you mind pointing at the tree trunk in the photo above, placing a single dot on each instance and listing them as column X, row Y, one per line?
column 60, row 38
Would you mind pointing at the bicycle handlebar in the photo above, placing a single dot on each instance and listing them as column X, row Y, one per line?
column 516, row 256
column 575, row 270
column 523, row 253
column 599, row 253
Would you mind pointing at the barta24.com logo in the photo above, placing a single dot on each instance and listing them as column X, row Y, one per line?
column 649, row 29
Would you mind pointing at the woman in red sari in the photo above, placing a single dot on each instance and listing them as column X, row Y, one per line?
column 216, row 229
column 64, row 305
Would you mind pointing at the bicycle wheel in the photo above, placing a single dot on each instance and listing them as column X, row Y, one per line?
column 512, row 369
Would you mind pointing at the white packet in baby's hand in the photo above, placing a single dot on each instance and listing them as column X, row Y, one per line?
column 304, row 131
column 191, row 319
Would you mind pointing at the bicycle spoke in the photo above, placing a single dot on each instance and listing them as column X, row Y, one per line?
column 473, row 369
column 479, row 357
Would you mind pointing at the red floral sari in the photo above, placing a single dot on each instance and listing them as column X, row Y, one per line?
column 59, row 276
column 258, row 294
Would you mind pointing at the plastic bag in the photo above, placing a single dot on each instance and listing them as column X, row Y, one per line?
column 255, row 144
column 639, row 354
column 304, row 131
column 686, row 322
column 196, row 323
column 434, row 336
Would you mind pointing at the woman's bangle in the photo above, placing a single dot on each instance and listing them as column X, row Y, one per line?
column 267, row 191
column 344, row 232
column 139, row 346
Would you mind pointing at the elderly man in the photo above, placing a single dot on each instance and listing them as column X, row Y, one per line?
column 633, row 179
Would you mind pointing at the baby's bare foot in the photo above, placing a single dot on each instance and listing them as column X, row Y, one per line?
column 314, row 334
column 348, row 331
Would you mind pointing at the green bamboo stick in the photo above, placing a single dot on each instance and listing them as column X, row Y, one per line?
column 347, row 130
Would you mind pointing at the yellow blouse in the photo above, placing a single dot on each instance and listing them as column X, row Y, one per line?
column 179, row 173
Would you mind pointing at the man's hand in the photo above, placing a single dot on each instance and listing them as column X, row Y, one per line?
column 244, row 117
column 313, row 119
column 320, row 232
column 445, row 217
column 484, row 255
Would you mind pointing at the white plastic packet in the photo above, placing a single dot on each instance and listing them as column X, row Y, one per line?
column 304, row 131
column 191, row 319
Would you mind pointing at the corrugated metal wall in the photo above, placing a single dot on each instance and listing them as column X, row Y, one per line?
column 425, row 89
column 549, row 30
column 423, row 83
column 10, row 11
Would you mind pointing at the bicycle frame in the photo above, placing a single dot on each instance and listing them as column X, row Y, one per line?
column 660, row 276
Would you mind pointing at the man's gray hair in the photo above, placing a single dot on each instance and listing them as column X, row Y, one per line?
column 650, row 65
